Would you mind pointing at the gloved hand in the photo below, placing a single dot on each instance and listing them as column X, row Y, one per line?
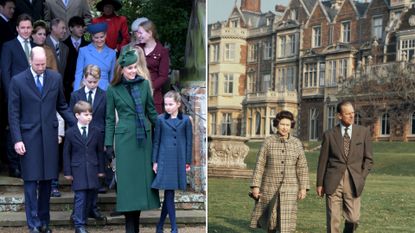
column 109, row 151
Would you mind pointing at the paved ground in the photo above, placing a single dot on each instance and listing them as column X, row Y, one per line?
column 112, row 229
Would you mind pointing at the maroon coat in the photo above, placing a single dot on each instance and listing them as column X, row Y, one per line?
column 158, row 64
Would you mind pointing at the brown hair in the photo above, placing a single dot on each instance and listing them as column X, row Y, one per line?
column 38, row 24
column 149, row 26
column 176, row 97
column 284, row 115
column 142, row 69
column 82, row 106
column 23, row 17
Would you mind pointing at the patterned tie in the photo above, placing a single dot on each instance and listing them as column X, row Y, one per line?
column 89, row 98
column 26, row 48
column 84, row 136
column 76, row 43
column 39, row 84
column 58, row 53
column 346, row 142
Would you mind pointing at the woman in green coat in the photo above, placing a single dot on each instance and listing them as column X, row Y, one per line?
column 130, row 97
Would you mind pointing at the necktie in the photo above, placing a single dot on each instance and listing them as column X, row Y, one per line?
column 39, row 84
column 26, row 48
column 84, row 136
column 58, row 55
column 89, row 97
column 76, row 43
column 346, row 142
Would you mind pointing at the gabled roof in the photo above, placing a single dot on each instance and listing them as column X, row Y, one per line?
column 309, row 4
column 331, row 12
column 405, row 25
column 358, row 7
column 323, row 9
column 361, row 7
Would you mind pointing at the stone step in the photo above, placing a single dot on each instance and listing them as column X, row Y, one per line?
column 15, row 201
column 61, row 218
column 222, row 172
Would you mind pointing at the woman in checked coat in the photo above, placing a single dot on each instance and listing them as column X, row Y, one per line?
column 280, row 178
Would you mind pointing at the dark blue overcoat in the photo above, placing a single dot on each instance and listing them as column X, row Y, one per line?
column 32, row 119
column 83, row 159
column 98, row 109
column 172, row 150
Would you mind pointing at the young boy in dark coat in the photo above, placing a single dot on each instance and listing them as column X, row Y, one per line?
column 83, row 160
column 91, row 93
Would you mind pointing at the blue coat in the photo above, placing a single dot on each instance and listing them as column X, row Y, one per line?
column 98, row 109
column 105, row 60
column 83, row 159
column 13, row 61
column 32, row 119
column 172, row 150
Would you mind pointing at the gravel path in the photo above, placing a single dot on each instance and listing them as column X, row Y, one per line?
column 112, row 229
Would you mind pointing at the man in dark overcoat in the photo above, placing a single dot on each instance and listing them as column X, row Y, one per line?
column 35, row 95
column 345, row 161
column 15, row 59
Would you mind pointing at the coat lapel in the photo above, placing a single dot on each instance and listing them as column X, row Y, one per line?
column 339, row 140
column 47, row 83
column 98, row 99
column 125, row 96
column 31, row 82
column 170, row 123
column 354, row 139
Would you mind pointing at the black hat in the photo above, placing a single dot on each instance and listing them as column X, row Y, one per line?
column 115, row 3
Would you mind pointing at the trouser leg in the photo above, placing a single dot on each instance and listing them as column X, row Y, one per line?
column 31, row 204
column 44, row 202
column 80, row 208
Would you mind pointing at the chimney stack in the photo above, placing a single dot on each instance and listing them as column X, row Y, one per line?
column 251, row 5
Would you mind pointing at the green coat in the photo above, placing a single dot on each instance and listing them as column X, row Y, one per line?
column 134, row 167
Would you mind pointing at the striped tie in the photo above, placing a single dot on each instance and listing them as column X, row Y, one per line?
column 346, row 142
column 58, row 53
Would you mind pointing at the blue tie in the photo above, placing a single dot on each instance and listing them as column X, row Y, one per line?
column 39, row 84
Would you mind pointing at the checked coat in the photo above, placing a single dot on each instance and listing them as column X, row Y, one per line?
column 281, row 171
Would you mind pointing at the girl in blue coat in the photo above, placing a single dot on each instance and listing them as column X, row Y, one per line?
column 172, row 155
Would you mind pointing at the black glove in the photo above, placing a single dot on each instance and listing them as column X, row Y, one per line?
column 109, row 151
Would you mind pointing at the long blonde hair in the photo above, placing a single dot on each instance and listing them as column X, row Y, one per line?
column 142, row 69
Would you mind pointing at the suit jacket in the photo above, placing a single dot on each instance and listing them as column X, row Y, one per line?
column 8, row 31
column 333, row 162
column 35, row 9
column 69, row 75
column 63, row 54
column 83, row 159
column 105, row 60
column 56, row 9
column 32, row 119
column 98, row 109
column 172, row 150
column 13, row 61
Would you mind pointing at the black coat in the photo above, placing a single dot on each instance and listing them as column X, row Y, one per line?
column 83, row 159
column 12, row 62
column 35, row 9
column 70, row 69
column 8, row 31
column 32, row 119
column 98, row 109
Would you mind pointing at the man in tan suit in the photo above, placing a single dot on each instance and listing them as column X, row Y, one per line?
column 66, row 9
column 344, row 163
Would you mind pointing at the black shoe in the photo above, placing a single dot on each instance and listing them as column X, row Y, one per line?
column 45, row 229
column 15, row 173
column 34, row 230
column 96, row 215
column 102, row 190
column 81, row 230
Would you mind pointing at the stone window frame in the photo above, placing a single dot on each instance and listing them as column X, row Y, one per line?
column 346, row 32
column 215, row 53
column 385, row 124
column 228, row 84
column 214, row 84
column 316, row 36
column 230, row 52
column 377, row 29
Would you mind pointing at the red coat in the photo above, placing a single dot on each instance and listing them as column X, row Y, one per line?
column 158, row 65
column 117, row 27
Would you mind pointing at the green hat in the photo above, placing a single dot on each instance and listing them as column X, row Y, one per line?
column 127, row 58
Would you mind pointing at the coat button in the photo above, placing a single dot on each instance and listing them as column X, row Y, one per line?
column 282, row 151
column 282, row 172
column 282, row 162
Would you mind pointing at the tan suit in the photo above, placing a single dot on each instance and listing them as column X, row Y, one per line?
column 56, row 9
column 343, row 177
column 281, row 171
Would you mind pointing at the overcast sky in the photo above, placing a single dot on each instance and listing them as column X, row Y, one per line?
column 219, row 10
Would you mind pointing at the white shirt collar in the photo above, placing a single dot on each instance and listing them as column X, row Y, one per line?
column 34, row 73
column 80, row 127
column 349, row 131
column 4, row 17
column 21, row 40
column 55, row 42
column 73, row 39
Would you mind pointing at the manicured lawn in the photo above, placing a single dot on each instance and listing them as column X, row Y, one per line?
column 388, row 201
